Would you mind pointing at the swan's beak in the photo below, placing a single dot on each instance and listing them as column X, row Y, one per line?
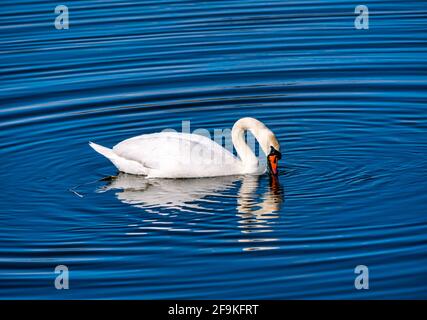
column 273, row 161
column 272, row 164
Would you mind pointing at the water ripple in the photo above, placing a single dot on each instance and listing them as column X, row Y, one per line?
column 347, row 105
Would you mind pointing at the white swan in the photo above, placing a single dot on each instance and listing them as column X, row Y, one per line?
column 185, row 155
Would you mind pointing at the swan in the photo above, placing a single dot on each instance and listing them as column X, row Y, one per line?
column 186, row 155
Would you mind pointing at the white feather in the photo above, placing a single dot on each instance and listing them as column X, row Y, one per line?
column 184, row 155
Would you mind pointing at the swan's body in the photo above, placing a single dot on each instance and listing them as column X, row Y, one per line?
column 184, row 155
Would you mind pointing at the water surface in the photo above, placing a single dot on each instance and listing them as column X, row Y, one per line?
column 348, row 106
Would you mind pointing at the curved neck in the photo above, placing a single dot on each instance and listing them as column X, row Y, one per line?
column 238, row 136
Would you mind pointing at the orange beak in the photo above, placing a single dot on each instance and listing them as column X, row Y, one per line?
column 272, row 164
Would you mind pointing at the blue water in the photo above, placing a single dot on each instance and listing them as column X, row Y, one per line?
column 348, row 106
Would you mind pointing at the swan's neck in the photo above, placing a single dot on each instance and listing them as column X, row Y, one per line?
column 246, row 154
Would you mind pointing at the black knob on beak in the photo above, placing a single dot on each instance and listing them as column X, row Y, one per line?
column 275, row 153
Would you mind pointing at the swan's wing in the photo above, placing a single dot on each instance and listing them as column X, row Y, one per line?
column 176, row 154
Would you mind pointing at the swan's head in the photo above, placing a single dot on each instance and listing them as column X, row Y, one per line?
column 271, row 148
column 266, row 139
column 273, row 160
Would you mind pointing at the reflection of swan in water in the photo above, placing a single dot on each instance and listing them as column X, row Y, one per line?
column 271, row 200
column 178, row 194
column 257, row 216
column 256, row 212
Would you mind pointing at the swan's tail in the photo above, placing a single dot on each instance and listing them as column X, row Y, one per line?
column 106, row 152
column 122, row 164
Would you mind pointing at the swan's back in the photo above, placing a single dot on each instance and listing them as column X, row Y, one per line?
column 175, row 155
